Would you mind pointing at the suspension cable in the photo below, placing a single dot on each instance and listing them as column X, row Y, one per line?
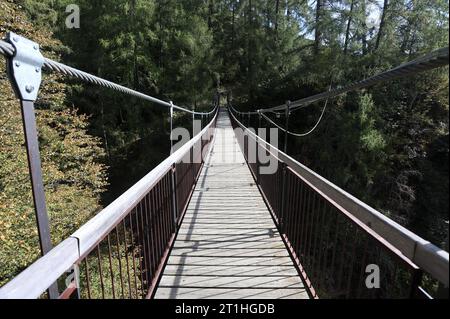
column 430, row 61
column 8, row 50
column 298, row 134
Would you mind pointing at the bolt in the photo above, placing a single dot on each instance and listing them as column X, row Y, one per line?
column 16, row 39
column 17, row 63
column 29, row 88
column 35, row 47
column 37, row 70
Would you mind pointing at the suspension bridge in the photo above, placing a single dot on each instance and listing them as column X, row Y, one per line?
column 208, row 222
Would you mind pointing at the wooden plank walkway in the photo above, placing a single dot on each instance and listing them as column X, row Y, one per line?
column 228, row 245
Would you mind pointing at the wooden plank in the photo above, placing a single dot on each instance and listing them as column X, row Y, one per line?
column 214, row 293
column 230, row 261
column 230, row 252
column 227, row 238
column 246, row 282
column 274, row 244
column 194, row 270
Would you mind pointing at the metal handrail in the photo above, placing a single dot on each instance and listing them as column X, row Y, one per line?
column 34, row 280
column 423, row 253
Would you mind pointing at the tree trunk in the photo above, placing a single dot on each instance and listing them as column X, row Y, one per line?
column 249, row 51
column 349, row 23
column 288, row 9
column 318, row 34
column 232, row 24
column 211, row 10
column 277, row 11
column 135, row 47
column 364, row 28
column 382, row 24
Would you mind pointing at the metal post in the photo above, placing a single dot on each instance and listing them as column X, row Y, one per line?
column 173, row 188
column 258, row 165
column 288, row 113
column 284, row 169
column 24, row 72
column 171, row 127
column 34, row 164
column 194, row 145
column 193, row 125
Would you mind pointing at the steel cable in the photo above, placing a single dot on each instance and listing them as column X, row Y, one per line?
column 299, row 134
column 8, row 50
column 430, row 61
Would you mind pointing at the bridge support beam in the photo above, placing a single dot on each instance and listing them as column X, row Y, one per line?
column 24, row 72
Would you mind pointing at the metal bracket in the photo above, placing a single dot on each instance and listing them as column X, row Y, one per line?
column 24, row 68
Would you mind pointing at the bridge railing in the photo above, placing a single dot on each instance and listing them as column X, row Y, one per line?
column 120, row 252
column 336, row 240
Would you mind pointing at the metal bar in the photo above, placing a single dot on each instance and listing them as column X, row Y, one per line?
column 320, row 245
column 362, row 271
column 111, row 271
column 147, row 232
column 144, row 232
column 126, row 257
column 100, row 271
column 88, row 284
column 302, row 212
column 37, row 185
column 119, row 258
column 308, row 217
column 139, row 248
column 133, row 254
column 351, row 262
column 153, row 234
column 311, row 233
column 288, row 113
column 171, row 127
column 323, row 269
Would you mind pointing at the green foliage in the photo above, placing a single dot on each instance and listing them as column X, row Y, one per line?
column 73, row 176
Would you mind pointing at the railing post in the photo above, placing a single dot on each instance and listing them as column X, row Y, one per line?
column 173, row 189
column 284, row 170
column 283, row 196
column 258, row 173
column 288, row 113
column 193, row 134
column 24, row 72
column 171, row 127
